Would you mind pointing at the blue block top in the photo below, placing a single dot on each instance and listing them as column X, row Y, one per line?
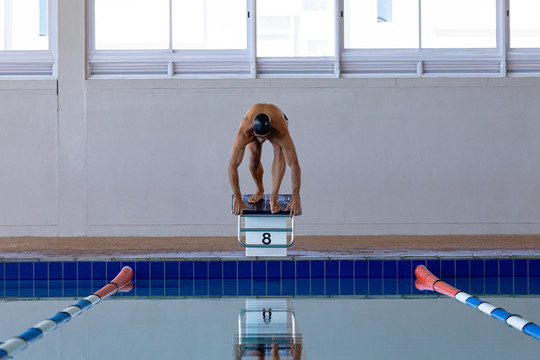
column 263, row 206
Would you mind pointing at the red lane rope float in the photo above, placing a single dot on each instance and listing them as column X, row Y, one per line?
column 121, row 283
column 427, row 281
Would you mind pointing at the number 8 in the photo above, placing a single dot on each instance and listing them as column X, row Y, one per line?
column 266, row 239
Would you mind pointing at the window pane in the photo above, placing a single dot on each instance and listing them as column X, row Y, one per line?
column 524, row 24
column 131, row 24
column 21, row 25
column 210, row 24
column 459, row 23
column 381, row 24
column 295, row 28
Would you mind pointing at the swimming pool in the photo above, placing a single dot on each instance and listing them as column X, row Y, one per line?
column 343, row 308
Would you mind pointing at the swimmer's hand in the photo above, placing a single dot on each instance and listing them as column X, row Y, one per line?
column 295, row 206
column 238, row 206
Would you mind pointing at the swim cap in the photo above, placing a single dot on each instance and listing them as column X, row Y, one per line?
column 261, row 124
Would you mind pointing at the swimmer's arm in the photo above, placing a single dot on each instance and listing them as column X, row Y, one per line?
column 236, row 159
column 289, row 152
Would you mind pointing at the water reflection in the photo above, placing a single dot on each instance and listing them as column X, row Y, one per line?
column 267, row 329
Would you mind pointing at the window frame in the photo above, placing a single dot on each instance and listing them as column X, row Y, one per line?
column 500, row 61
column 33, row 64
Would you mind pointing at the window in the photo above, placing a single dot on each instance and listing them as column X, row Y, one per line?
column 524, row 24
column 313, row 38
column 382, row 24
column 26, row 47
column 295, row 28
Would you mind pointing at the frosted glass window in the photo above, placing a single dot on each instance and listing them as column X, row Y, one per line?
column 524, row 24
column 459, row 23
column 295, row 28
column 381, row 24
column 131, row 24
column 210, row 24
column 21, row 25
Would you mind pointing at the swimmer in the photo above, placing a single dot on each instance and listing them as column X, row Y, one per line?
column 265, row 122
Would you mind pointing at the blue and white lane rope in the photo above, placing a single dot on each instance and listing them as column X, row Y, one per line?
column 427, row 281
column 21, row 342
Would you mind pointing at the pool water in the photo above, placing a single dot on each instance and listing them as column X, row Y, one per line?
column 242, row 309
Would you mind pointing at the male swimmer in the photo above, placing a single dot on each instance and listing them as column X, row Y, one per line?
column 265, row 122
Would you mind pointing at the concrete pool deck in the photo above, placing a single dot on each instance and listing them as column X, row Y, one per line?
column 81, row 248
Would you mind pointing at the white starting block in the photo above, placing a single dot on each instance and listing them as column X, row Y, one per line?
column 263, row 233
column 266, row 325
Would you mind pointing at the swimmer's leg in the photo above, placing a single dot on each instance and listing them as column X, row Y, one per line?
column 278, row 171
column 255, row 167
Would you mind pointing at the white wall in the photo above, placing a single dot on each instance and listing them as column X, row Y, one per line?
column 378, row 156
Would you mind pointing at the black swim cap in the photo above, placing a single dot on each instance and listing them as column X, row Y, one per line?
column 261, row 124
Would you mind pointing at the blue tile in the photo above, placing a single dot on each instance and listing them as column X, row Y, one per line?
column 230, row 279
column 259, row 278
column 84, row 279
column 506, row 279
column 332, row 277
column 172, row 278
column 2, row 281
column 288, row 280
column 303, row 283
column 69, row 287
column 390, row 277
column 520, row 277
column 534, row 267
column 142, row 276
column 186, row 278
column 99, row 275
column 200, row 277
column 26, row 271
column 112, row 269
column 157, row 278
column 375, row 277
column 317, row 277
column 448, row 272
column 463, row 273
column 491, row 268
column 244, row 278
column 215, row 278
column 477, row 277
column 534, row 285
column 273, row 278
column 41, row 283
column 361, row 276
column 26, row 281
column 434, row 266
column 346, row 277
column 405, row 277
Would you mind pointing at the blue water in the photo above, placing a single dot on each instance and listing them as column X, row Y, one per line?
column 240, row 309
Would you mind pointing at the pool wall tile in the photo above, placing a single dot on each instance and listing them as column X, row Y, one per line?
column 186, row 278
column 273, row 278
column 157, row 278
column 390, row 286
column 41, row 279
column 230, row 278
column 346, row 279
column 215, row 278
column 317, row 277
column 269, row 278
column 331, row 277
column 361, row 276
column 200, row 278
column 142, row 275
column 244, row 278
column 288, row 278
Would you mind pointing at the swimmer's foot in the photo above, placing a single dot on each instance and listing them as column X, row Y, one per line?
column 258, row 196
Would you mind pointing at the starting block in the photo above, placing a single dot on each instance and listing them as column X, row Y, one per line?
column 263, row 233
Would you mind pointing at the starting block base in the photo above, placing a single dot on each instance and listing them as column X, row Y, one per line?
column 263, row 233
